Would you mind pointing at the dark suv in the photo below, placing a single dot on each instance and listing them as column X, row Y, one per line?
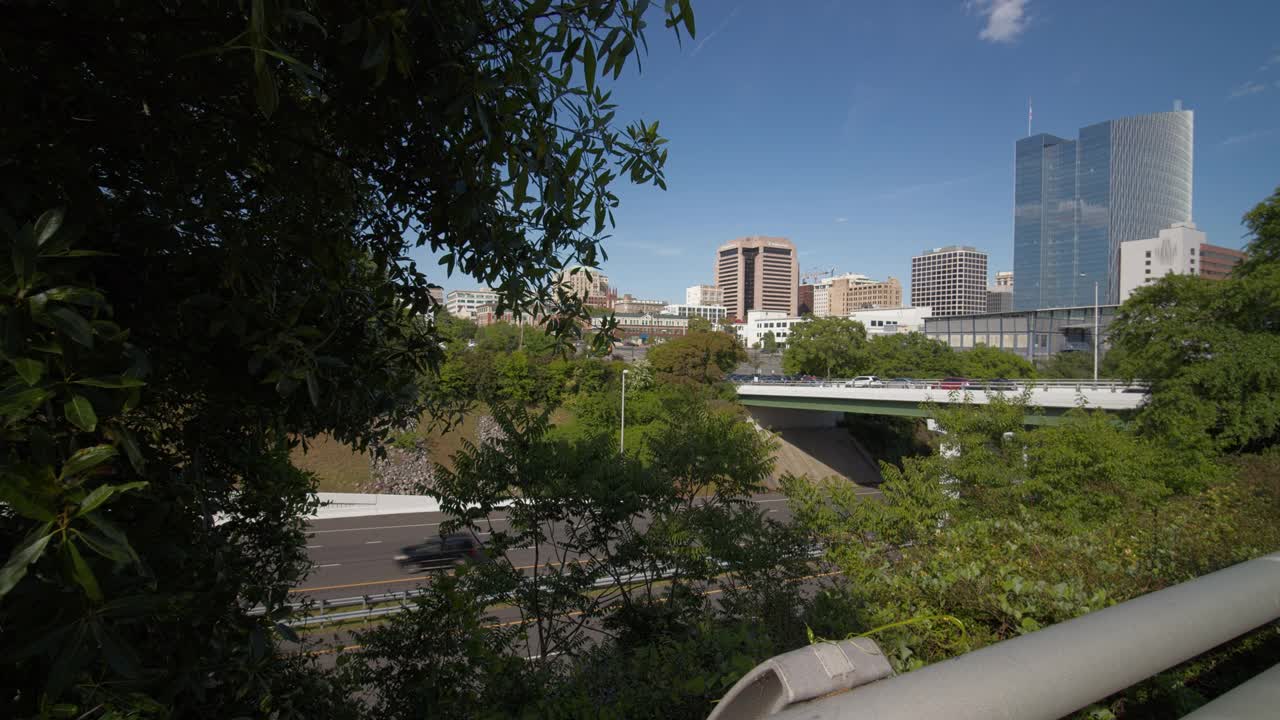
column 440, row 553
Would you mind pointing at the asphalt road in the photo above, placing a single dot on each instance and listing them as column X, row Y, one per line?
column 354, row 556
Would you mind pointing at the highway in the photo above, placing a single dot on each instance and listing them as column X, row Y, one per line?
column 354, row 556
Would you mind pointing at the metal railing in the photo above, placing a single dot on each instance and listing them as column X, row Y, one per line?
column 1011, row 385
column 1046, row 674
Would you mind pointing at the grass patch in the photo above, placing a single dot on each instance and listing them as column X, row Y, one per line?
column 339, row 468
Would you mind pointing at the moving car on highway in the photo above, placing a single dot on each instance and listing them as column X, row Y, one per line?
column 440, row 553
column 952, row 383
column 866, row 381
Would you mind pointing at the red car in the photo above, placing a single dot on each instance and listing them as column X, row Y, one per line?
column 952, row 383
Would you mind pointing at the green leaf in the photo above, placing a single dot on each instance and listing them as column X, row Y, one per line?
column 26, row 505
column 86, row 459
column 113, row 533
column 119, row 656
column 16, row 404
column 686, row 12
column 589, row 65
column 29, row 370
column 102, row 493
column 126, row 439
column 28, row 552
column 81, row 572
column 72, row 324
column 105, row 546
column 112, row 382
column 79, row 412
column 76, row 296
column 48, row 224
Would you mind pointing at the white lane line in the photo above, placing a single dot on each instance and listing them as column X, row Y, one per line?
column 372, row 542
column 394, row 527
column 761, row 502
column 329, row 565
column 314, row 547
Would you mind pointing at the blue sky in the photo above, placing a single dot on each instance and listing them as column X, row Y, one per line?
column 869, row 131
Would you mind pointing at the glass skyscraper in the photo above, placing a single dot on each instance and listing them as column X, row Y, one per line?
column 1075, row 201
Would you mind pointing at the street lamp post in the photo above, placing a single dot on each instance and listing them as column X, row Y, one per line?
column 1096, row 313
column 1097, row 309
column 622, row 430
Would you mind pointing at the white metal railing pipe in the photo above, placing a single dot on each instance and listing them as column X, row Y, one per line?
column 1055, row 671
column 1257, row 698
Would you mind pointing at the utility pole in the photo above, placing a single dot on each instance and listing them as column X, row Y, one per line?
column 1097, row 310
column 622, row 430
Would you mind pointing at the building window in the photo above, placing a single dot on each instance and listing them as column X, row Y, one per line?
column 1148, row 253
column 1148, row 271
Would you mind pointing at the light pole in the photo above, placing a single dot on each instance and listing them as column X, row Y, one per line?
column 622, row 430
column 1096, row 309
column 1096, row 312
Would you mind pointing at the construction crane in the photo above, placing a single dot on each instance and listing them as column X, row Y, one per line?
column 816, row 274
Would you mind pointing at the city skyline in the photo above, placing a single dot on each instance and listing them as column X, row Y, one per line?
column 873, row 132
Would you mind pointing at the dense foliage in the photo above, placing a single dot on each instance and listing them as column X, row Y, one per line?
column 206, row 211
column 1209, row 348
column 838, row 347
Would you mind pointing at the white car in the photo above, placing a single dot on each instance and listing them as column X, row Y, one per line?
column 866, row 381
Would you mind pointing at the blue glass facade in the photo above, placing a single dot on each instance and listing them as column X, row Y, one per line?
column 1075, row 201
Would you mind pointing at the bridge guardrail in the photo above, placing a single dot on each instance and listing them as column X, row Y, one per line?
column 1012, row 385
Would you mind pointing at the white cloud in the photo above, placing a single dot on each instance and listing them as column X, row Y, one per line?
column 841, row 220
column 1006, row 19
column 1248, row 137
column 1248, row 88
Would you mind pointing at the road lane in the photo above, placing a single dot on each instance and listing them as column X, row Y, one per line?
column 355, row 555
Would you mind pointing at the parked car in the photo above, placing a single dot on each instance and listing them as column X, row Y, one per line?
column 952, row 383
column 866, row 381
column 440, row 553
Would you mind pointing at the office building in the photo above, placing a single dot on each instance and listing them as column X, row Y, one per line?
column 891, row 321
column 758, row 273
column 1216, row 263
column 822, row 299
column 1033, row 334
column 760, row 322
column 589, row 284
column 645, row 327
column 633, row 306
column 859, row 292
column 952, row 280
column 804, row 299
column 1174, row 251
column 703, row 295
column 464, row 303
column 1077, row 201
column 714, row 313
column 1000, row 294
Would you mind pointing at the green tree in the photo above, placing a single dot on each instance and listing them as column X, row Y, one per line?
column 242, row 185
column 1263, row 224
column 698, row 357
column 700, row 324
column 987, row 362
column 768, row 342
column 912, row 355
column 826, row 347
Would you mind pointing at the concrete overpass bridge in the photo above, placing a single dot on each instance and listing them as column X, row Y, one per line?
column 814, row 404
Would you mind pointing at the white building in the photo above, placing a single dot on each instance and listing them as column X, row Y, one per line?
column 760, row 322
column 822, row 298
column 703, row 295
column 890, row 321
column 463, row 303
column 1176, row 250
column 714, row 313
